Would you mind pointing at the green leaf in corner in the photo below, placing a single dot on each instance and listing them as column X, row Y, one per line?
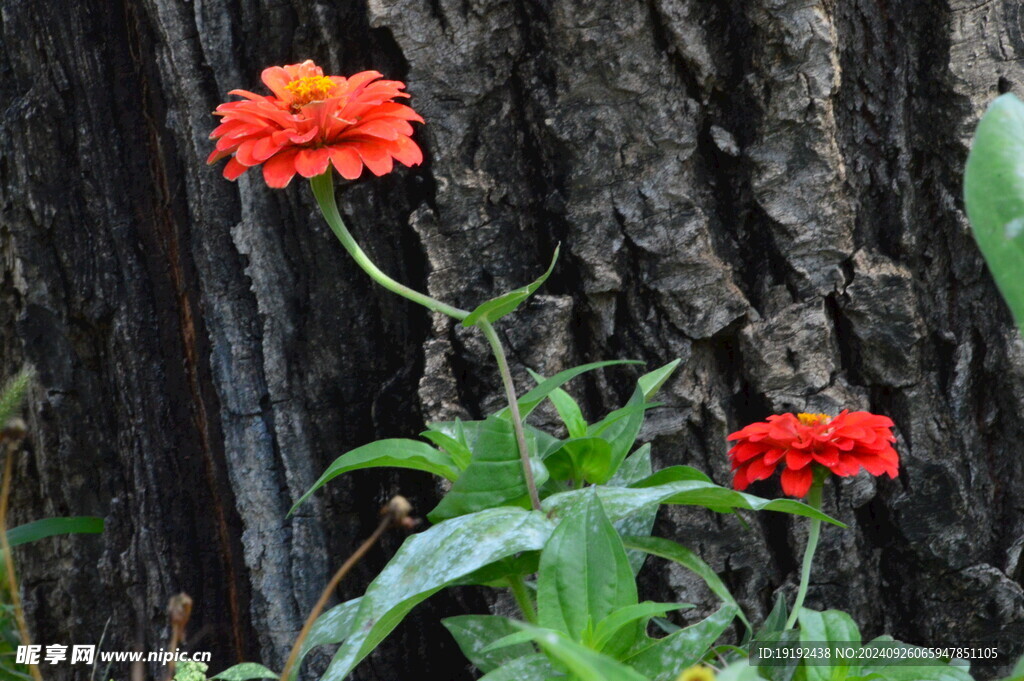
column 49, row 527
column 584, row 574
column 474, row 633
column 245, row 672
column 494, row 476
column 994, row 196
column 496, row 308
column 392, row 453
column 428, row 562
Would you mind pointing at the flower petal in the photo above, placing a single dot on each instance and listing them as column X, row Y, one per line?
column 796, row 482
column 312, row 162
column 279, row 170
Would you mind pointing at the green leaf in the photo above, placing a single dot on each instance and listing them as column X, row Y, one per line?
column 613, row 623
column 332, row 626
column 831, row 626
column 651, row 383
column 670, row 550
column 672, row 474
column 538, row 442
column 529, row 401
column 896, row 667
column 994, row 196
column 568, row 410
column 776, row 620
column 535, row 667
column 458, row 450
column 496, row 308
column 584, row 574
column 429, row 561
column 585, row 458
column 392, row 453
column 494, row 476
column 664, row 658
column 583, row 663
column 620, row 502
column 639, row 524
column 1018, row 670
column 244, row 672
column 474, row 633
column 49, row 527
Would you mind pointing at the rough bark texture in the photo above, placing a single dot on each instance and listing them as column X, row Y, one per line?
column 769, row 189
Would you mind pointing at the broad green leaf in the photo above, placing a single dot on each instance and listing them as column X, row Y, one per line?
column 538, row 442
column 672, row 474
column 994, row 196
column 494, row 476
column 620, row 502
column 739, row 671
column 831, row 626
column 664, row 658
column 781, row 638
column 49, row 527
column 245, row 672
column 497, row 573
column 568, row 410
column 584, row 664
column 392, row 453
column 535, row 667
column 496, row 308
column 474, row 633
column 332, row 626
column 670, row 550
column 529, row 401
column 902, row 667
column 613, row 623
column 458, row 450
column 585, row 458
column 584, row 574
column 429, row 561
column 640, row 524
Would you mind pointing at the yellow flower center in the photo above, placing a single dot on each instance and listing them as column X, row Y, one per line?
column 697, row 672
column 310, row 89
column 813, row 419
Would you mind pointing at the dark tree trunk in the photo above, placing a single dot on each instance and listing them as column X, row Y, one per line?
column 769, row 189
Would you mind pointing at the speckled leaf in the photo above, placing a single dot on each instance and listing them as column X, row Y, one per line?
column 391, row 453
column 584, row 663
column 640, row 524
column 620, row 502
column 494, row 476
column 473, row 633
column 496, row 308
column 994, row 196
column 429, row 561
column 584, row 574
column 330, row 627
column 664, row 658
column 535, row 667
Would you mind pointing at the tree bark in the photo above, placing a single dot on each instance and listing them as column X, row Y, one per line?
column 769, row 189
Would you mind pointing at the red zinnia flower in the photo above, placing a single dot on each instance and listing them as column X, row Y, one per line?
column 313, row 120
column 843, row 445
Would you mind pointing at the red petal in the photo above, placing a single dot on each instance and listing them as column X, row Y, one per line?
column 279, row 170
column 233, row 169
column 375, row 157
column 407, row 152
column 312, row 162
column 346, row 162
column 796, row 483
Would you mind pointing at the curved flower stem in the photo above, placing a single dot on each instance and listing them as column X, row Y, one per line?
column 814, row 501
column 323, row 191
column 513, row 407
column 522, row 596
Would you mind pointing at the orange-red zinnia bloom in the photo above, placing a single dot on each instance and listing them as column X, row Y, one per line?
column 843, row 445
column 313, row 120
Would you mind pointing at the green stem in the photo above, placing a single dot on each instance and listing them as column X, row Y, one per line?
column 814, row 501
column 522, row 596
column 513, row 407
column 323, row 190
